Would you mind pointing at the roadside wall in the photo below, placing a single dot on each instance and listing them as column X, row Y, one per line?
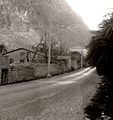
column 29, row 71
column 20, row 72
column 41, row 70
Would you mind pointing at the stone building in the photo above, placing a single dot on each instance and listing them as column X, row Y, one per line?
column 21, row 55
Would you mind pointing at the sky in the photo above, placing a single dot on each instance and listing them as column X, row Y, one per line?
column 91, row 11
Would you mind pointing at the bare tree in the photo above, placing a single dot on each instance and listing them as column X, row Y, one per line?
column 57, row 49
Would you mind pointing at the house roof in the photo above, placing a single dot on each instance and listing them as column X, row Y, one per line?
column 39, row 53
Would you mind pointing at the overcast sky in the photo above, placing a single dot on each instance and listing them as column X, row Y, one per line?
column 91, row 11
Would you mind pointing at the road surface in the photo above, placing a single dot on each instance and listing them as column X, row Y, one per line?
column 56, row 98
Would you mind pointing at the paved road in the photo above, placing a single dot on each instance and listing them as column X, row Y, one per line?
column 57, row 98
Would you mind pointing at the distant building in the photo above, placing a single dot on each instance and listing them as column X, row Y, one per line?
column 78, row 55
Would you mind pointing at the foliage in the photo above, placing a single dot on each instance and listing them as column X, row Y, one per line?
column 100, row 55
column 101, row 47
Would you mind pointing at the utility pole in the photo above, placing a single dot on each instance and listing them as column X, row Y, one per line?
column 49, row 47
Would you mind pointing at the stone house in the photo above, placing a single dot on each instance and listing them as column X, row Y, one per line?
column 20, row 69
column 21, row 55
column 75, row 59
column 78, row 56
column 65, row 62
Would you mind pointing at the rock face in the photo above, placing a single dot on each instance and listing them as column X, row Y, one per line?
column 23, row 23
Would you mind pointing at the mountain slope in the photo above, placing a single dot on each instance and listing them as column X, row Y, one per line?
column 23, row 22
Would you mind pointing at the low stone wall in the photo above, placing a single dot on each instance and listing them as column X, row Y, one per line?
column 20, row 72
column 29, row 71
column 41, row 70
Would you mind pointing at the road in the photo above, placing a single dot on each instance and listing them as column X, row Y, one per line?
column 56, row 98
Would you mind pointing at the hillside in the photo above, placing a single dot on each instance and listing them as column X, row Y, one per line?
column 23, row 22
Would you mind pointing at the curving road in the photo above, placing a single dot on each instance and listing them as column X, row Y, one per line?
column 57, row 98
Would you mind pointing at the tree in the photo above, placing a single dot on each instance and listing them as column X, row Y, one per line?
column 100, row 55
column 57, row 49
column 3, row 48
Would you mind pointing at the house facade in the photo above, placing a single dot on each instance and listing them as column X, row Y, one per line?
column 21, row 55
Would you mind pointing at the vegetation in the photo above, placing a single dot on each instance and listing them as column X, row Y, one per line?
column 57, row 49
column 3, row 48
column 100, row 55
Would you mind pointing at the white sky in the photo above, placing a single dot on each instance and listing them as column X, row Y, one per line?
column 91, row 11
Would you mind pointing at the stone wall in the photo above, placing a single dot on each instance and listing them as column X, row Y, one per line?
column 20, row 72
column 29, row 71
column 41, row 70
